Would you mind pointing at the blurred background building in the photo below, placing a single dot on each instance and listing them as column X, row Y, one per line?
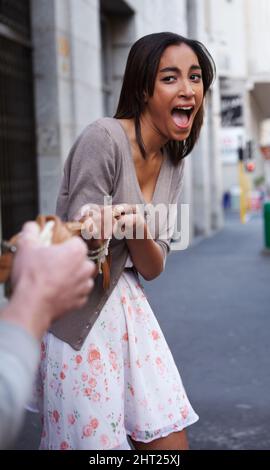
column 61, row 66
column 238, row 32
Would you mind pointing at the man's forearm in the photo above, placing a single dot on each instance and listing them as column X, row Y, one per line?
column 24, row 307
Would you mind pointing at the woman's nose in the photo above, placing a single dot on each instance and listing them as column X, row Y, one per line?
column 186, row 89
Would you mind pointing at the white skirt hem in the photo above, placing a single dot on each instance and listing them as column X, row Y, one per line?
column 162, row 432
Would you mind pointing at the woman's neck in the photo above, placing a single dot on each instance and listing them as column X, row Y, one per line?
column 152, row 140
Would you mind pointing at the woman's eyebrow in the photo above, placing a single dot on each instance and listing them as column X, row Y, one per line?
column 177, row 70
column 170, row 69
column 195, row 67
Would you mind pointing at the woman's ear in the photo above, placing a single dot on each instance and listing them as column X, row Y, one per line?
column 145, row 97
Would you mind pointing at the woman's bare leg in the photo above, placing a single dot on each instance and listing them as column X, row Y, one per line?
column 174, row 441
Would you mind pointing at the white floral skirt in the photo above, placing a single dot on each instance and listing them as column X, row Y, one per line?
column 122, row 382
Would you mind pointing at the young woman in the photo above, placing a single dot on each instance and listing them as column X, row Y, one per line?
column 106, row 370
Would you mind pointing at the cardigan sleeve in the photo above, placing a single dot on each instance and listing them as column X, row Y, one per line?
column 167, row 230
column 89, row 173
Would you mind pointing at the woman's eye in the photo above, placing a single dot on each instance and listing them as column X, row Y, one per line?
column 169, row 79
column 196, row 77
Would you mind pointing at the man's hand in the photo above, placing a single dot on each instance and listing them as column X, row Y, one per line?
column 47, row 281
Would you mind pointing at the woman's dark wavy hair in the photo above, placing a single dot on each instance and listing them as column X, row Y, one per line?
column 139, row 79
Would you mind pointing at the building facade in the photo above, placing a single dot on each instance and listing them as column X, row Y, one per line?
column 61, row 67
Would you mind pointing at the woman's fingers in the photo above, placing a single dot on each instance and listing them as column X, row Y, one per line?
column 123, row 209
column 101, row 222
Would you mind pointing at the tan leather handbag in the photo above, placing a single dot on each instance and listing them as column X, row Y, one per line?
column 61, row 231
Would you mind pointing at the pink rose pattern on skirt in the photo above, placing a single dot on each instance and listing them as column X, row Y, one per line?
column 123, row 381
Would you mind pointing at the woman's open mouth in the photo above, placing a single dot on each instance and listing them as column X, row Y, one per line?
column 182, row 116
